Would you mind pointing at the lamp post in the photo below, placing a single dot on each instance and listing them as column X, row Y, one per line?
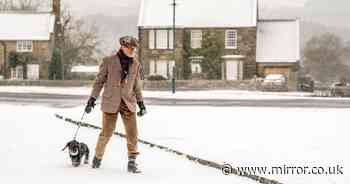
column 173, row 80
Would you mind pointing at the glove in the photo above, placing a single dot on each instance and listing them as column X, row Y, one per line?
column 90, row 105
column 142, row 109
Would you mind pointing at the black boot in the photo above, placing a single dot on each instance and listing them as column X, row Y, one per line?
column 96, row 163
column 132, row 165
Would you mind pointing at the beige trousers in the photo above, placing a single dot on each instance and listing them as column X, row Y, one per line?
column 108, row 127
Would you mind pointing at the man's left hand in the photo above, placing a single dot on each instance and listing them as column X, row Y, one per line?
column 142, row 108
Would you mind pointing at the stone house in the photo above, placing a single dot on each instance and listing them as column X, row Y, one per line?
column 252, row 46
column 31, row 34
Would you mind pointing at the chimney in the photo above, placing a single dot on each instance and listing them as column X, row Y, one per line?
column 56, row 8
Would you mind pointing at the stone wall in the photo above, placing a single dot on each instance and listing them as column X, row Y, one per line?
column 51, row 83
column 246, row 47
column 146, row 54
column 42, row 51
column 203, row 85
column 149, row 85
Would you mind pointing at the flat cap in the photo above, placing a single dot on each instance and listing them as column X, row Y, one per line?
column 128, row 41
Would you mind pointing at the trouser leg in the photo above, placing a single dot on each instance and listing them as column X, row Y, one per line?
column 108, row 126
column 130, row 125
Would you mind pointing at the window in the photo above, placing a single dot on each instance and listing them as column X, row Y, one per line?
column 152, row 68
column 171, row 39
column 196, row 39
column 24, row 46
column 151, row 39
column 17, row 73
column 161, row 39
column 231, row 39
column 161, row 67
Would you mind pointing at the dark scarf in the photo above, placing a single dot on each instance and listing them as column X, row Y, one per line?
column 125, row 62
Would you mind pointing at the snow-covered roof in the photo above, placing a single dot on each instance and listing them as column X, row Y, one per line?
column 85, row 69
column 198, row 13
column 278, row 41
column 26, row 26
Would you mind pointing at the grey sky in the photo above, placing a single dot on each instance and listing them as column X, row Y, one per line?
column 84, row 7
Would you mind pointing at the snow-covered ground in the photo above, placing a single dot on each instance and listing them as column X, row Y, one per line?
column 205, row 94
column 32, row 137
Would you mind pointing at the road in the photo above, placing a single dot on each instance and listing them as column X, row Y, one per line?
column 66, row 101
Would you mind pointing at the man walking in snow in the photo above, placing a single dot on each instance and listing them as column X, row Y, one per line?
column 119, row 75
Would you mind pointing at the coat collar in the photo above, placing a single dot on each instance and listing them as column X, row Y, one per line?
column 132, row 67
column 116, row 60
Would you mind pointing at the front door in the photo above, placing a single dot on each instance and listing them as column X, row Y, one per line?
column 233, row 70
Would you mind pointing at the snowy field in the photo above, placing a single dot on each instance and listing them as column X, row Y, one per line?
column 32, row 138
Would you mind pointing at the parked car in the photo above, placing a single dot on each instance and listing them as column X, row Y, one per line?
column 274, row 82
column 306, row 84
column 340, row 89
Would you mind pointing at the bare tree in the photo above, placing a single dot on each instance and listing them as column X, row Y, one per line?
column 32, row 5
column 21, row 5
column 79, row 41
column 324, row 58
column 76, row 40
column 6, row 5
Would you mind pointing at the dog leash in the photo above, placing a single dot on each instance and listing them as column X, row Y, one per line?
column 79, row 125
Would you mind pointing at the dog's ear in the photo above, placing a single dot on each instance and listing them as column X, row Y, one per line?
column 65, row 147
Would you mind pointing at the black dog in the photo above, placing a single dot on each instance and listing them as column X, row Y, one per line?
column 77, row 151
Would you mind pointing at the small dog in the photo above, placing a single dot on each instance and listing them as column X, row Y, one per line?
column 77, row 151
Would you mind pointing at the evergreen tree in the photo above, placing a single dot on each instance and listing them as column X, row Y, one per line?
column 55, row 68
column 212, row 51
column 187, row 53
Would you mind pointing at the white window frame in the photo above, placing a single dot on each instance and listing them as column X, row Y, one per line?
column 152, row 67
column 171, row 39
column 24, row 46
column 161, row 67
column 17, row 73
column 151, row 39
column 162, row 39
column 231, row 39
column 196, row 39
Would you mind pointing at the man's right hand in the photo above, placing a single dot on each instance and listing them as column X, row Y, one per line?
column 90, row 104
